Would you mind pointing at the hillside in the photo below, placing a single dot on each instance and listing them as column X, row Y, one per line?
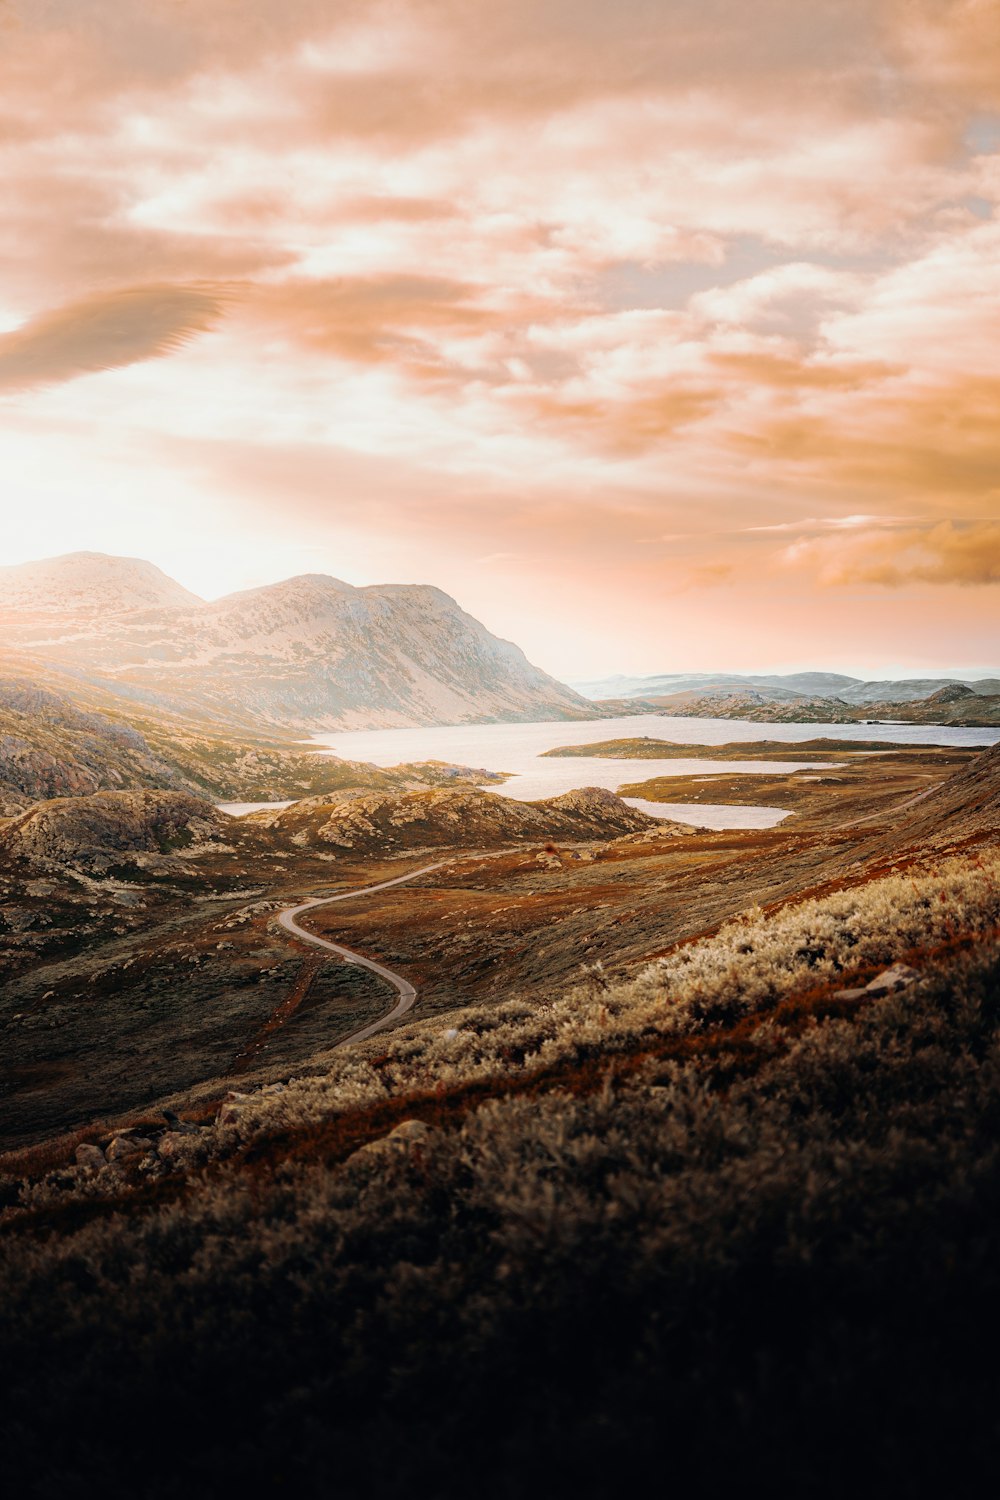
column 109, row 830
column 749, row 1188
column 953, row 704
column 50, row 746
column 384, row 822
column 86, row 588
column 311, row 652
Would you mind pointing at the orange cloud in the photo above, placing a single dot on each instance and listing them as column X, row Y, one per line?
column 967, row 555
column 553, row 275
column 105, row 332
column 954, row 45
column 936, row 445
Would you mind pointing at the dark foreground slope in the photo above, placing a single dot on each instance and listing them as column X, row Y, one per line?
column 732, row 1224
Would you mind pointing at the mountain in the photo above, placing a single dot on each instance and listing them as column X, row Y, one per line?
column 912, row 690
column 807, row 683
column 779, row 688
column 89, row 584
column 308, row 653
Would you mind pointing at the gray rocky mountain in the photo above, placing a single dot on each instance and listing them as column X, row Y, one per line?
column 310, row 653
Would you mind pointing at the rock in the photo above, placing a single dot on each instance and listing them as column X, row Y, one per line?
column 97, row 832
column 127, row 1145
column 886, row 983
column 232, row 1108
column 896, row 978
column 88, row 1155
column 406, row 1134
column 411, row 1130
column 172, row 1145
column 273, row 1088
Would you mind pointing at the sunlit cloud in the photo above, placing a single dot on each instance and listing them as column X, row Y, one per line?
column 943, row 554
column 642, row 300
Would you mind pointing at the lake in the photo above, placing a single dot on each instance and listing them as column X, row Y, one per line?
column 517, row 749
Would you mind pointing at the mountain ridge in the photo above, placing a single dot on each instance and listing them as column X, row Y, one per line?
column 309, row 652
column 788, row 686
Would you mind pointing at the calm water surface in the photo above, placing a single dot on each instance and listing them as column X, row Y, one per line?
column 517, row 749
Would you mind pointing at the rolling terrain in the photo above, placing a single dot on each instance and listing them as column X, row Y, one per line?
column 408, row 1068
column 141, row 957
column 732, row 1095
column 955, row 704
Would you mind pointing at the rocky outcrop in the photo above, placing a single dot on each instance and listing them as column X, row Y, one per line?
column 107, row 830
column 955, row 692
column 465, row 818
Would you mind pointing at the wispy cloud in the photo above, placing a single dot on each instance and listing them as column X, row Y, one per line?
column 104, row 332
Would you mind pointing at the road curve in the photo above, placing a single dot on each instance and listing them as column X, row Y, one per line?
column 897, row 807
column 404, row 989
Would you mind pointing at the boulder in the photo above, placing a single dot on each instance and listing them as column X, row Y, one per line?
column 173, row 1145
column 124, row 1146
column 407, row 1133
column 886, row 983
column 896, row 978
column 232, row 1108
column 89, row 1155
column 411, row 1131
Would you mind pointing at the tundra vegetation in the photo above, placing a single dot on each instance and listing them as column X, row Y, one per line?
column 732, row 1219
column 685, row 1170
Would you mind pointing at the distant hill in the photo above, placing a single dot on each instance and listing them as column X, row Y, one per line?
column 777, row 688
column 953, row 705
column 308, row 653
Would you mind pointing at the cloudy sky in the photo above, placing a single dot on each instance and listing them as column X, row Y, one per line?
column 663, row 334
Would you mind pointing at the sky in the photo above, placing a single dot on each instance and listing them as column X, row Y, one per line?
column 663, row 334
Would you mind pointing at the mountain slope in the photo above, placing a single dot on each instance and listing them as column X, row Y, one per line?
column 50, row 748
column 311, row 652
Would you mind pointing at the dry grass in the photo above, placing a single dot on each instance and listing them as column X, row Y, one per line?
column 714, row 1221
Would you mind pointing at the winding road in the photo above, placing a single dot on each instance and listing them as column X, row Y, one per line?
column 404, row 989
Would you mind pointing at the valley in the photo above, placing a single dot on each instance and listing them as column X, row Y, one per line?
column 500, row 750
column 138, row 976
column 465, row 1030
